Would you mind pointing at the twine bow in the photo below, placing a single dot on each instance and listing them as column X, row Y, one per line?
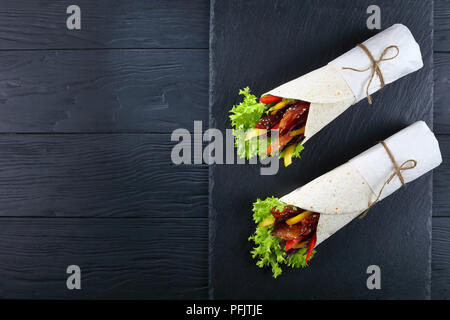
column 375, row 66
column 407, row 165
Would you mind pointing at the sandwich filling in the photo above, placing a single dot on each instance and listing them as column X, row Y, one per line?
column 255, row 121
column 284, row 235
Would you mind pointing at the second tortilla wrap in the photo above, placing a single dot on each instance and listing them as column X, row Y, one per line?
column 345, row 192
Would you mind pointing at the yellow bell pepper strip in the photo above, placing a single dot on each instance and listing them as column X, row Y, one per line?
column 278, row 106
column 254, row 133
column 267, row 222
column 297, row 132
column 300, row 245
column 298, row 218
column 288, row 155
column 311, row 247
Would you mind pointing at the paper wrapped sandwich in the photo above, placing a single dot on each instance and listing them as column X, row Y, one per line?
column 289, row 228
column 297, row 110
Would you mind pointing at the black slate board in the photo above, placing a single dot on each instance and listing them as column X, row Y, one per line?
column 265, row 43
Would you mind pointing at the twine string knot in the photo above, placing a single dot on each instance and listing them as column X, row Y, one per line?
column 407, row 165
column 375, row 66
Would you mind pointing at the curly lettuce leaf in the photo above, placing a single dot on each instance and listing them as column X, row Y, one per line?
column 261, row 208
column 298, row 259
column 298, row 149
column 244, row 117
column 267, row 248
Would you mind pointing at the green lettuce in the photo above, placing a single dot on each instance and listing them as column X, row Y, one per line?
column 298, row 148
column 244, row 117
column 267, row 248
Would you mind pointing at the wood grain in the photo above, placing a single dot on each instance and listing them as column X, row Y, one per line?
column 441, row 177
column 115, row 175
column 119, row 258
column 441, row 93
column 98, row 175
column 440, row 287
column 441, row 25
column 29, row 24
column 103, row 90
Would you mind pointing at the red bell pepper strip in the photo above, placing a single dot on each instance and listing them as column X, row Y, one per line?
column 290, row 244
column 311, row 247
column 269, row 99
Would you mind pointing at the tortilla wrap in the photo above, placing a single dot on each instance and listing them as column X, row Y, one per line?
column 345, row 192
column 331, row 90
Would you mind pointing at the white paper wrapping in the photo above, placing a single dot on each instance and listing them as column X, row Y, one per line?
column 415, row 142
column 408, row 60
column 332, row 90
column 345, row 192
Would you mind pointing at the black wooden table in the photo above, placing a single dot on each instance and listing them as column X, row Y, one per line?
column 86, row 177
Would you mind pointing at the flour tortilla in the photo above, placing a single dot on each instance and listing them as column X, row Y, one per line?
column 326, row 90
column 345, row 192
column 339, row 195
column 331, row 89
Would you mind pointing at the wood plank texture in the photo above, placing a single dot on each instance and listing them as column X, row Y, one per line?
column 95, row 175
column 441, row 177
column 47, row 90
column 30, row 24
column 441, row 93
column 103, row 90
column 440, row 288
column 119, row 258
column 441, row 25
column 109, row 176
